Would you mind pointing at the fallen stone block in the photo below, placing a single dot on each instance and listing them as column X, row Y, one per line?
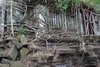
column 3, row 52
column 16, row 43
column 66, row 51
column 24, row 51
column 33, row 46
column 6, row 61
column 23, row 58
column 9, row 44
column 12, row 53
column 23, row 39
column 4, row 65
column 41, row 57
column 16, row 64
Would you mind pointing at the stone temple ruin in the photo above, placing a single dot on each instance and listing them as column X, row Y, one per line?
column 41, row 36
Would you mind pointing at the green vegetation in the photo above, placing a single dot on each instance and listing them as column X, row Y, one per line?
column 63, row 4
column 95, row 4
column 21, row 30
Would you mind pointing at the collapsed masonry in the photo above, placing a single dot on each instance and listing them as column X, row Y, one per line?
column 44, row 38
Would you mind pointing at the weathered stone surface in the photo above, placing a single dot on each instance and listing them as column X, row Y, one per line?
column 16, row 42
column 23, row 58
column 29, row 64
column 3, row 52
column 17, row 64
column 41, row 15
column 49, row 31
column 23, row 39
column 41, row 57
column 61, row 38
column 4, row 65
column 10, row 44
column 66, row 51
column 33, row 46
column 24, row 51
column 12, row 63
column 6, row 61
column 12, row 53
